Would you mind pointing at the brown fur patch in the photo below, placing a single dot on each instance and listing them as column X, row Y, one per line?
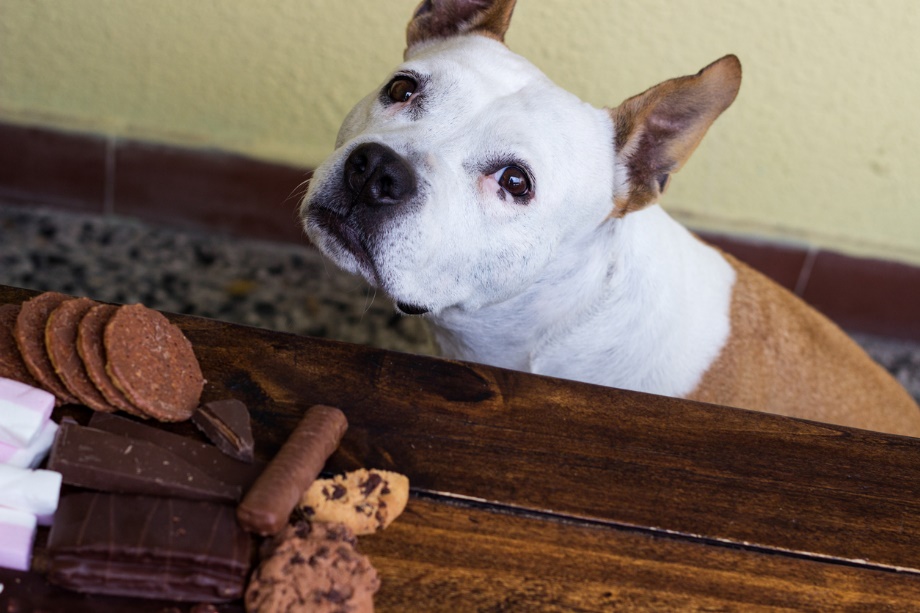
column 656, row 131
column 445, row 18
column 784, row 357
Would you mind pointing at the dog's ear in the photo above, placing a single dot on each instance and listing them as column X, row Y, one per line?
column 444, row 18
column 656, row 131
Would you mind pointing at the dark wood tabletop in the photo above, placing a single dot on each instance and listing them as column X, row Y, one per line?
column 538, row 494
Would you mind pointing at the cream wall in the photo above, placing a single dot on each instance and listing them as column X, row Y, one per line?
column 820, row 146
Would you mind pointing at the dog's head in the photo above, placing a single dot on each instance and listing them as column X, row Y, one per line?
column 461, row 177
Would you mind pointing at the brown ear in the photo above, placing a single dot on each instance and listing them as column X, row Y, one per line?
column 444, row 18
column 657, row 130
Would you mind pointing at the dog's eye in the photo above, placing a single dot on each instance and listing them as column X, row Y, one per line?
column 401, row 89
column 515, row 181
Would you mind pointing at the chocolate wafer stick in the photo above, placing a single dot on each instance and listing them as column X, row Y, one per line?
column 268, row 504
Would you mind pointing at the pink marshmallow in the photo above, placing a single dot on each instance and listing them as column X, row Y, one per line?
column 32, row 455
column 23, row 411
column 17, row 535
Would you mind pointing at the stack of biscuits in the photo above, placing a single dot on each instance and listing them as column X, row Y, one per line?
column 107, row 357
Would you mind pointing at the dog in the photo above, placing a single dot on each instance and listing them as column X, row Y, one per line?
column 525, row 226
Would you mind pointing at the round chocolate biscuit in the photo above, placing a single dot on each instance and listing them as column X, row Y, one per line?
column 91, row 349
column 61, row 343
column 30, row 338
column 11, row 364
column 152, row 362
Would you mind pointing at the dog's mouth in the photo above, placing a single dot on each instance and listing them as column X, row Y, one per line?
column 338, row 227
column 411, row 309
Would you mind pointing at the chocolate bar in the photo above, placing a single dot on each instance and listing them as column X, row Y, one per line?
column 269, row 502
column 226, row 424
column 148, row 547
column 207, row 458
column 95, row 459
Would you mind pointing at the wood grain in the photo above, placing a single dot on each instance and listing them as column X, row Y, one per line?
column 439, row 557
column 653, row 493
column 585, row 451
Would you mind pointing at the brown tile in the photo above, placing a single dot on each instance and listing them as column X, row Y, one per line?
column 866, row 295
column 781, row 263
column 48, row 167
column 208, row 190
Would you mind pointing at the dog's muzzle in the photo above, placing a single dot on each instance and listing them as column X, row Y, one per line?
column 375, row 179
column 376, row 176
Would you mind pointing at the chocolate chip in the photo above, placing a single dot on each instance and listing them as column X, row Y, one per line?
column 297, row 558
column 335, row 596
column 302, row 530
column 373, row 480
column 338, row 491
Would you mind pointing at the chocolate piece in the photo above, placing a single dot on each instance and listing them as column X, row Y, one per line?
column 152, row 362
column 205, row 457
column 92, row 352
column 29, row 333
column 148, row 547
column 61, row 343
column 11, row 364
column 268, row 504
column 226, row 424
column 101, row 460
column 314, row 568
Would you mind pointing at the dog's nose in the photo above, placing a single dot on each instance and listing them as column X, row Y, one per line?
column 378, row 176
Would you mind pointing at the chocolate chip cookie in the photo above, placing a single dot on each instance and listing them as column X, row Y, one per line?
column 313, row 567
column 364, row 500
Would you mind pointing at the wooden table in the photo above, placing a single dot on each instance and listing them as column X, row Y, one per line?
column 538, row 494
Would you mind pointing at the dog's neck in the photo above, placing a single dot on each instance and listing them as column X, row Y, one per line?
column 653, row 291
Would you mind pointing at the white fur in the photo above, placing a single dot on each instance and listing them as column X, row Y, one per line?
column 555, row 286
column 642, row 305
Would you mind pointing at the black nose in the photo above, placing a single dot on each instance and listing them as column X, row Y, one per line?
column 377, row 176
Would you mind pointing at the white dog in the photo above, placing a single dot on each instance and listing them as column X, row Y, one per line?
column 524, row 225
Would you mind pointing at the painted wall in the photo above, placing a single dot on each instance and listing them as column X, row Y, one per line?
column 820, row 146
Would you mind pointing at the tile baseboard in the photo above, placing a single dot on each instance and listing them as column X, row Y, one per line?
column 215, row 191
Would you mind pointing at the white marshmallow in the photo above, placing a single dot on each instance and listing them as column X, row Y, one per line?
column 23, row 412
column 32, row 491
column 33, row 454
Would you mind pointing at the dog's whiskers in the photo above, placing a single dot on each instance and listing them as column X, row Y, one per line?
column 368, row 305
column 300, row 190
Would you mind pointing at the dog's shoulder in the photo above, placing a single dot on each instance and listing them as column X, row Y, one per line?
column 784, row 357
